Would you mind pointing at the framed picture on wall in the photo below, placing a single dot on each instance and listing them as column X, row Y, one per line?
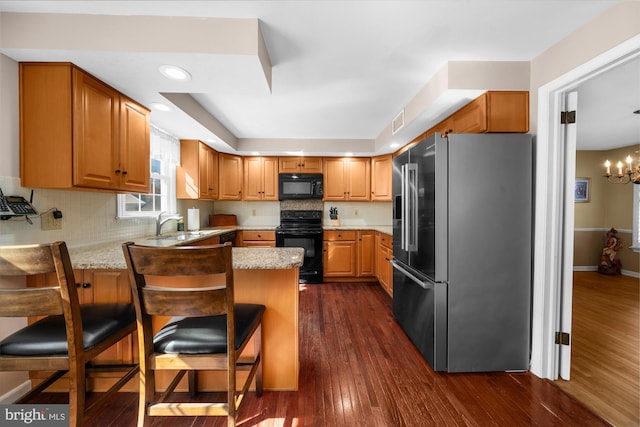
column 582, row 191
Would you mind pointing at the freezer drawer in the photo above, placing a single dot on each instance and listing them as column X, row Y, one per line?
column 420, row 306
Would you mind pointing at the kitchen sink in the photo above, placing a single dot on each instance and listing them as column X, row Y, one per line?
column 178, row 237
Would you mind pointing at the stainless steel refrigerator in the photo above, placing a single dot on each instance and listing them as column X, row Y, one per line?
column 462, row 237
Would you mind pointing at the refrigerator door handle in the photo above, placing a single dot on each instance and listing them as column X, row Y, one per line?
column 421, row 283
column 412, row 213
column 405, row 209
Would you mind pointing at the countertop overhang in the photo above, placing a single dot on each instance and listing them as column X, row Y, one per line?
column 111, row 256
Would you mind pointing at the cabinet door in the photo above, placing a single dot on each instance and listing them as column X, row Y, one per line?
column 311, row 164
column 366, row 244
column 358, row 179
column 381, row 172
column 508, row 111
column 230, row 181
column 46, row 125
column 203, row 171
column 96, row 156
column 270, row 178
column 289, row 164
column 252, row 182
column 334, row 179
column 134, row 147
column 387, row 270
column 472, row 118
column 112, row 286
column 212, row 174
column 339, row 258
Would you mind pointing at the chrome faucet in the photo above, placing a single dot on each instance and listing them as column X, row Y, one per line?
column 161, row 221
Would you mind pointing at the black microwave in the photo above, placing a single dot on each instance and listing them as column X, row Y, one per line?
column 296, row 186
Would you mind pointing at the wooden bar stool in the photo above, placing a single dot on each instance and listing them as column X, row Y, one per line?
column 69, row 336
column 210, row 334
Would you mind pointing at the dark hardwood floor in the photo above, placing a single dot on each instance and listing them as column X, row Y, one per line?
column 359, row 369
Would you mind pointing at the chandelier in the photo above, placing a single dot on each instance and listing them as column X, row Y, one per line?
column 629, row 174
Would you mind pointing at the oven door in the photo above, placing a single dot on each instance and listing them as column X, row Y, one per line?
column 311, row 242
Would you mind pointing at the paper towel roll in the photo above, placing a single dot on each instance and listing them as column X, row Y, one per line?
column 193, row 219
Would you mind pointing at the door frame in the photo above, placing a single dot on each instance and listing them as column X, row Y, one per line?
column 549, row 266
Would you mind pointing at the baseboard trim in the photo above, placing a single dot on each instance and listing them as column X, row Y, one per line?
column 13, row 395
column 595, row 268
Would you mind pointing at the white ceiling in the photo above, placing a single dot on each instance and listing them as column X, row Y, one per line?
column 341, row 70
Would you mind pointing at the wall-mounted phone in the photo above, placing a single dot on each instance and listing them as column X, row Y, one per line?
column 15, row 206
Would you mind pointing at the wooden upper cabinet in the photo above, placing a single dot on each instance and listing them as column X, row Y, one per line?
column 135, row 157
column 347, row 178
column 76, row 131
column 260, row 178
column 381, row 174
column 493, row 111
column 230, row 177
column 300, row 165
column 197, row 174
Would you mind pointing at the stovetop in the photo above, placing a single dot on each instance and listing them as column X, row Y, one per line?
column 299, row 219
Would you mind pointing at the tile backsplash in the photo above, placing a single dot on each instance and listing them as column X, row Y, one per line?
column 90, row 217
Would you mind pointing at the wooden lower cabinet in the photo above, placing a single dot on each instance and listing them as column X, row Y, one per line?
column 383, row 268
column 348, row 255
column 365, row 253
column 339, row 259
column 258, row 239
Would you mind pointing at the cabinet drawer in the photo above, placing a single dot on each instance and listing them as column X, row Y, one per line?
column 333, row 235
column 258, row 235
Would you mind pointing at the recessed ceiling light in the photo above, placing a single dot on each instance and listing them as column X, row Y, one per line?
column 160, row 107
column 394, row 145
column 255, row 153
column 175, row 73
column 348, row 154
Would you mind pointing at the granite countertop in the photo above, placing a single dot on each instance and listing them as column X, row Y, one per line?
column 110, row 255
column 387, row 229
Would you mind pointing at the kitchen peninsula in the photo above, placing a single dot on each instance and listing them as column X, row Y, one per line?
column 266, row 276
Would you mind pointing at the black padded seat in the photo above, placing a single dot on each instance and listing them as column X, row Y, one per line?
column 206, row 335
column 48, row 336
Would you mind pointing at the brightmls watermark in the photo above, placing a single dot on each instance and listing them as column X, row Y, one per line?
column 34, row 415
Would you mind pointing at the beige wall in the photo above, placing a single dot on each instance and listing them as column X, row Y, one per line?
column 615, row 26
column 610, row 205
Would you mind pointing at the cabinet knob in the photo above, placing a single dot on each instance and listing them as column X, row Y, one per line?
column 118, row 171
column 124, row 172
column 86, row 285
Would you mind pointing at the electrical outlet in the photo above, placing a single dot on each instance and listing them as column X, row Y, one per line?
column 48, row 222
column 253, row 212
column 356, row 212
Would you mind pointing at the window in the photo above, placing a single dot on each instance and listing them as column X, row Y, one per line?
column 165, row 152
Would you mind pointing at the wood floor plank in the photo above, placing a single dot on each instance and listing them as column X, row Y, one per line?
column 605, row 339
column 358, row 368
